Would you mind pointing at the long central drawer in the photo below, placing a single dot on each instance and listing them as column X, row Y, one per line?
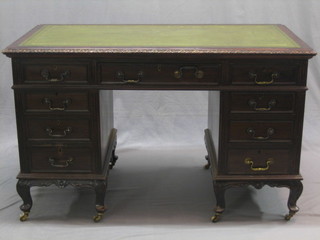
column 160, row 74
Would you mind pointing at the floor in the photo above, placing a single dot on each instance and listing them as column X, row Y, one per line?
column 157, row 194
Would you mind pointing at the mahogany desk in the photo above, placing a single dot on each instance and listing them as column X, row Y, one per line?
column 255, row 74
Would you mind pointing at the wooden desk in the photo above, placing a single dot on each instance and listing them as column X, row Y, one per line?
column 256, row 75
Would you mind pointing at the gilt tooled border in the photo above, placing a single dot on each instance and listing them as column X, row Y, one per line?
column 152, row 50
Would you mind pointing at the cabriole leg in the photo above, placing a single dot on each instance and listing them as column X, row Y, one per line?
column 23, row 189
column 219, row 190
column 296, row 188
column 100, row 189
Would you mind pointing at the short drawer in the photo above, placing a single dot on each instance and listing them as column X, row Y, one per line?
column 194, row 74
column 58, row 129
column 55, row 101
column 61, row 159
column 261, row 131
column 262, row 102
column 261, row 161
column 262, row 74
column 55, row 73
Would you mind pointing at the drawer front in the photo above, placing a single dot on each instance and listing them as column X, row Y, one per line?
column 261, row 161
column 58, row 129
column 61, row 159
column 264, row 74
column 55, row 73
column 194, row 74
column 261, row 131
column 57, row 101
column 262, row 102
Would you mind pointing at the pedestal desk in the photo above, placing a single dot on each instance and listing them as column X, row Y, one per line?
column 64, row 75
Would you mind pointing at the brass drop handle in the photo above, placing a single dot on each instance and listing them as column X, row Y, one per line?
column 53, row 162
column 121, row 76
column 45, row 73
column 254, row 76
column 253, row 104
column 252, row 133
column 66, row 131
column 197, row 73
column 65, row 104
column 250, row 162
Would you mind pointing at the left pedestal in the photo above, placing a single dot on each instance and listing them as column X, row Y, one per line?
column 65, row 127
column 97, row 182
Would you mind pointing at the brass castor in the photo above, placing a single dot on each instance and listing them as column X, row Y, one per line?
column 215, row 218
column 24, row 216
column 97, row 217
column 289, row 216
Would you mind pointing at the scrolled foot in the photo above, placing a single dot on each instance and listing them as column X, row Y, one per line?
column 24, row 216
column 289, row 216
column 216, row 218
column 98, row 217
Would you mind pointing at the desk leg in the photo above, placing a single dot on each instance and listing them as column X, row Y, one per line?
column 219, row 190
column 23, row 189
column 296, row 188
column 100, row 188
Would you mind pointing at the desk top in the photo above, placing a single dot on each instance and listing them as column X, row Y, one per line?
column 223, row 39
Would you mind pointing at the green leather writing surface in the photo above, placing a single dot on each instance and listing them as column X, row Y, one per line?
column 260, row 36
